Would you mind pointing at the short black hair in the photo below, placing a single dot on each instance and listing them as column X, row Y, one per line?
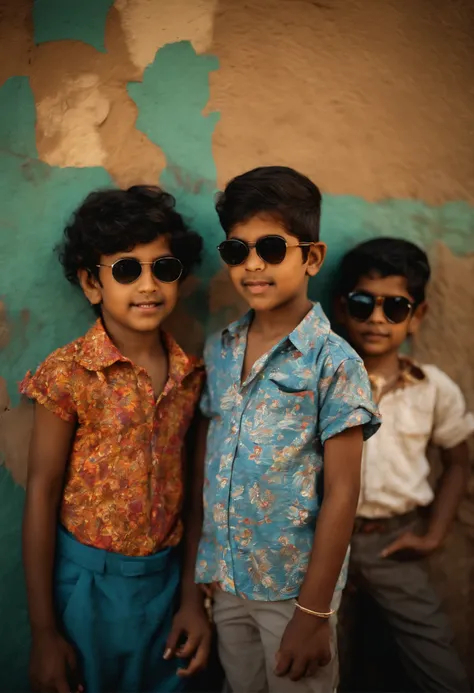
column 114, row 221
column 388, row 257
column 278, row 192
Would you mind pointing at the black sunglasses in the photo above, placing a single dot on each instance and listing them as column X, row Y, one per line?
column 361, row 305
column 128, row 269
column 271, row 249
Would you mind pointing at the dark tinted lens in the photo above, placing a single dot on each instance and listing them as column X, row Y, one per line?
column 233, row 252
column 126, row 271
column 396, row 308
column 271, row 249
column 167, row 269
column 360, row 306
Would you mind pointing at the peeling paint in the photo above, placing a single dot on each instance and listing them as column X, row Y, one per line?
column 170, row 101
column 151, row 24
column 35, row 208
column 71, row 120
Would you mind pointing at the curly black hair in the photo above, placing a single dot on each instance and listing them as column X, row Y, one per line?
column 278, row 192
column 114, row 221
column 388, row 257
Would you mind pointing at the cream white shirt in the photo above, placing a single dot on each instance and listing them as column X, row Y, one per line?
column 395, row 468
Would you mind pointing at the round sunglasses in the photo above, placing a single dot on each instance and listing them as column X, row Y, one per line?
column 361, row 305
column 128, row 269
column 270, row 249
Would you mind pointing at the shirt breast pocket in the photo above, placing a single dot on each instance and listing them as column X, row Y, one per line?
column 285, row 419
column 413, row 427
column 414, row 421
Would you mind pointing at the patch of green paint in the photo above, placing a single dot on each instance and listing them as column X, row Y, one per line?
column 170, row 100
column 73, row 20
column 43, row 310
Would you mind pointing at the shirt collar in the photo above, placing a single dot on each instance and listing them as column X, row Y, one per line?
column 410, row 374
column 410, row 371
column 97, row 352
column 180, row 363
column 304, row 337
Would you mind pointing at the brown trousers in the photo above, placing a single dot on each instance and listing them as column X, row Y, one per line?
column 410, row 607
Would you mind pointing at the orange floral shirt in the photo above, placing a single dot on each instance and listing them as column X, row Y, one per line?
column 125, row 478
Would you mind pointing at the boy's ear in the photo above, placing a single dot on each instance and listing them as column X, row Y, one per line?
column 417, row 317
column 90, row 286
column 316, row 255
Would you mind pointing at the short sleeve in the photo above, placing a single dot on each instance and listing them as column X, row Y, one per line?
column 346, row 400
column 452, row 424
column 50, row 386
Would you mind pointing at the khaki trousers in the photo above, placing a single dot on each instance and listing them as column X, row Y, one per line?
column 249, row 636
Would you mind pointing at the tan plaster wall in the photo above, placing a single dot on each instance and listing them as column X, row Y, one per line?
column 371, row 97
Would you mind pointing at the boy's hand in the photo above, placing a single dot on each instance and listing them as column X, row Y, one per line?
column 412, row 544
column 305, row 646
column 191, row 623
column 53, row 663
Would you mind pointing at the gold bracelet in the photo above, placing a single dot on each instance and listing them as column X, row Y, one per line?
column 318, row 614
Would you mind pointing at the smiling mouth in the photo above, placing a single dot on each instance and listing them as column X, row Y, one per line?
column 257, row 287
column 148, row 305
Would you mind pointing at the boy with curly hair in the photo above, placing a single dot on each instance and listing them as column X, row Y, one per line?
column 107, row 457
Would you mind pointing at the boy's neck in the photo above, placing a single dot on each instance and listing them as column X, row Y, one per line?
column 384, row 365
column 139, row 347
column 281, row 321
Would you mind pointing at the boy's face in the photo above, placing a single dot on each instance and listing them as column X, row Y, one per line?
column 377, row 335
column 140, row 306
column 266, row 286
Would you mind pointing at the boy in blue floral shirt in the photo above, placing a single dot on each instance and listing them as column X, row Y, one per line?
column 287, row 407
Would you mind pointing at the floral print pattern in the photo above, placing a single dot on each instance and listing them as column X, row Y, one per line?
column 265, row 452
column 124, row 480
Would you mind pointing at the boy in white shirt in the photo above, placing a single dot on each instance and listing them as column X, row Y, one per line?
column 381, row 303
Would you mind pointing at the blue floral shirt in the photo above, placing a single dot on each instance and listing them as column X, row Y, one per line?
column 265, row 452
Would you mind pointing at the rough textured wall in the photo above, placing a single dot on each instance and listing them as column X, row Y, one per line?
column 373, row 99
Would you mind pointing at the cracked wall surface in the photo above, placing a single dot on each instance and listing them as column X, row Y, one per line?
column 373, row 100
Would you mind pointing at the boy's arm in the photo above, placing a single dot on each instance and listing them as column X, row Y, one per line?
column 306, row 642
column 49, row 452
column 449, row 493
column 191, row 621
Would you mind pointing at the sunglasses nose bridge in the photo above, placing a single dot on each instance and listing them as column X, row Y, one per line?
column 253, row 260
column 147, row 280
column 378, row 313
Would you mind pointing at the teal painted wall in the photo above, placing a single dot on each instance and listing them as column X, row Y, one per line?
column 43, row 311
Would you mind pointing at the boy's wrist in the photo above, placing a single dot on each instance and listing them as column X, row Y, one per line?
column 191, row 592
column 312, row 600
column 39, row 630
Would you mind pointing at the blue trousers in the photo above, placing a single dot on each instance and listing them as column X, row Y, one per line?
column 117, row 611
